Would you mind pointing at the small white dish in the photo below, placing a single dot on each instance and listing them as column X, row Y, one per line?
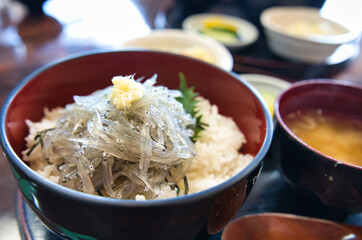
column 185, row 43
column 302, row 34
column 247, row 32
column 269, row 87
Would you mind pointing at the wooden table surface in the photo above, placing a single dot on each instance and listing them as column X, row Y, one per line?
column 73, row 28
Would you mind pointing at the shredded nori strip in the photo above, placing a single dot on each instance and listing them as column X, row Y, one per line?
column 39, row 137
column 186, row 182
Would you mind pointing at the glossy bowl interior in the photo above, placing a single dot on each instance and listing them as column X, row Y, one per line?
column 74, row 214
column 314, row 174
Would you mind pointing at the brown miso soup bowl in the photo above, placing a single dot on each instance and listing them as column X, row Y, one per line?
column 76, row 215
column 314, row 175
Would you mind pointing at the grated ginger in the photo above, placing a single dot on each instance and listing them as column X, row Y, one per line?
column 125, row 91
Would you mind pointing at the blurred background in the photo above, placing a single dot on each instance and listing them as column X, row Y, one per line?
column 36, row 32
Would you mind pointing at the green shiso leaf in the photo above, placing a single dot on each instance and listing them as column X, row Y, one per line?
column 189, row 101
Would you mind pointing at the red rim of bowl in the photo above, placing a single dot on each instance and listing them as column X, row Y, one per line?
column 285, row 127
column 16, row 160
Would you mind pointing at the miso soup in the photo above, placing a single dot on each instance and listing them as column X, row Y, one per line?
column 329, row 133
